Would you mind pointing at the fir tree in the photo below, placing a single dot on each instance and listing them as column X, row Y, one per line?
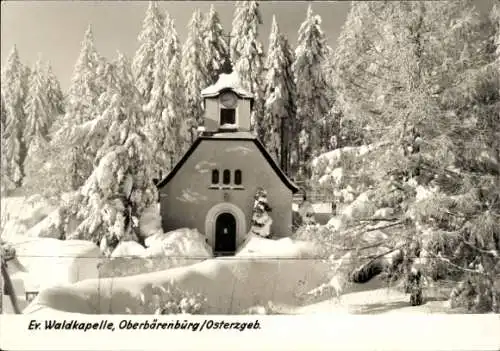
column 166, row 129
column 426, row 70
column 247, row 56
column 3, row 112
column 82, row 106
column 84, row 91
column 37, row 111
column 144, row 62
column 13, row 94
column 55, row 97
column 215, row 45
column 120, row 187
column 261, row 220
column 37, row 108
column 279, row 92
column 194, row 73
column 312, row 88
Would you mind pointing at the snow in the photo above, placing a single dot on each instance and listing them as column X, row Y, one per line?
column 231, row 284
column 226, row 81
column 362, row 207
column 128, row 249
column 150, row 221
column 229, row 126
column 336, row 223
column 306, row 211
column 19, row 214
column 385, row 212
column 334, row 176
column 180, row 243
column 46, row 262
column 50, row 227
column 164, row 250
column 424, row 192
column 327, row 165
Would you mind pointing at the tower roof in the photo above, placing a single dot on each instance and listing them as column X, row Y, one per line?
column 226, row 81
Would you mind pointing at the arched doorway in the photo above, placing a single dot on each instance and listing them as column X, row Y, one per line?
column 225, row 235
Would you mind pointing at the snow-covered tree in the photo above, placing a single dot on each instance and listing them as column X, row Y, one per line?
column 247, row 56
column 12, row 144
column 36, row 108
column 121, row 186
column 420, row 77
column 215, row 45
column 84, row 92
column 279, row 93
column 261, row 220
column 3, row 112
column 144, row 62
column 55, row 96
column 313, row 103
column 166, row 128
column 194, row 72
column 82, row 106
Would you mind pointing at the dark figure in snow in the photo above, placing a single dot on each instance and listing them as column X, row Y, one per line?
column 8, row 287
column 415, row 280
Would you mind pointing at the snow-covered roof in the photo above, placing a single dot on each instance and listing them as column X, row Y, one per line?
column 227, row 81
column 235, row 136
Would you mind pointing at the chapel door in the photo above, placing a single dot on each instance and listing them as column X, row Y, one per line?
column 225, row 235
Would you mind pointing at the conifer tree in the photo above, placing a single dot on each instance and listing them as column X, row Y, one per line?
column 420, row 77
column 36, row 108
column 3, row 112
column 247, row 56
column 215, row 45
column 82, row 106
column 84, row 91
column 166, row 128
column 194, row 72
column 261, row 220
column 144, row 62
column 55, row 96
column 120, row 187
column 279, row 93
column 313, row 103
column 13, row 94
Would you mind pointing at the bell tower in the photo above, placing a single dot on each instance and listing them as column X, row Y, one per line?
column 227, row 105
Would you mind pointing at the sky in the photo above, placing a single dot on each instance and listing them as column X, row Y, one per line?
column 55, row 29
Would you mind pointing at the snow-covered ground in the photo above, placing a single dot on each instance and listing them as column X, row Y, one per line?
column 262, row 273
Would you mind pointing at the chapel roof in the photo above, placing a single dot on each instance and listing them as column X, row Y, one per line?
column 237, row 136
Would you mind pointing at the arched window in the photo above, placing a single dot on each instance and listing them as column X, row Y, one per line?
column 215, row 176
column 237, row 177
column 226, row 176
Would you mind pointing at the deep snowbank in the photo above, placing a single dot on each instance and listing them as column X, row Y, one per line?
column 164, row 250
column 230, row 284
column 44, row 262
column 19, row 214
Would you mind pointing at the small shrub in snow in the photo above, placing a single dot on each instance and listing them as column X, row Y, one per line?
column 172, row 300
column 306, row 211
column 261, row 221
